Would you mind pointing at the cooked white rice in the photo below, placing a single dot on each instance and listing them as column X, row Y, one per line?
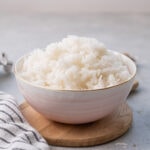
column 75, row 63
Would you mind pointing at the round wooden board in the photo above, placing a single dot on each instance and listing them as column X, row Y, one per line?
column 99, row 132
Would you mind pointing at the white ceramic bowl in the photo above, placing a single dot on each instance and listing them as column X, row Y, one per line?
column 75, row 107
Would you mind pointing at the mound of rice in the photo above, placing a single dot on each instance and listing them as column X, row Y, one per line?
column 75, row 63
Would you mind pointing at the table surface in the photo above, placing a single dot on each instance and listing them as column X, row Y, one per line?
column 130, row 33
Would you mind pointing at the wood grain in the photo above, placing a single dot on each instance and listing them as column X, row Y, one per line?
column 90, row 134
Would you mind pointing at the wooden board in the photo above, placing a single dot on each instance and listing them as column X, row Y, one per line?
column 90, row 134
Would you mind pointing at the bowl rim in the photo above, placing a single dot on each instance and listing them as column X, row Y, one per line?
column 76, row 90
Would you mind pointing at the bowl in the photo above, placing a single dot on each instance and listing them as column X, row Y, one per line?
column 75, row 106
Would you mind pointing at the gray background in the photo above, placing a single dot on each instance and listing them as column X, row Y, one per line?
column 75, row 6
column 21, row 33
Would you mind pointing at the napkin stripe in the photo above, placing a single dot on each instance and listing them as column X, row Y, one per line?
column 8, row 131
column 3, row 120
column 4, row 140
column 9, row 100
column 28, row 138
column 13, row 111
column 8, row 147
column 23, row 129
column 11, row 133
column 15, row 132
column 7, row 115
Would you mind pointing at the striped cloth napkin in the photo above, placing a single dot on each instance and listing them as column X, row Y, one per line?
column 15, row 132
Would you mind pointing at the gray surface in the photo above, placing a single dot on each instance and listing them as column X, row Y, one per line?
column 20, row 34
